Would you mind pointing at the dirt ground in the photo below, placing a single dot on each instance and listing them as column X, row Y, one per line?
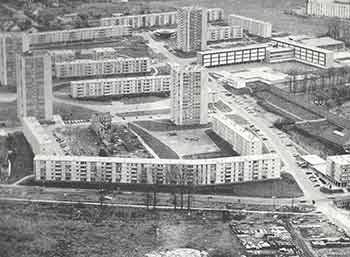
column 49, row 230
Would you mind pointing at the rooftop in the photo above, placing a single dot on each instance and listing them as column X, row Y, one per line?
column 321, row 41
column 340, row 159
column 313, row 159
column 224, row 50
column 289, row 40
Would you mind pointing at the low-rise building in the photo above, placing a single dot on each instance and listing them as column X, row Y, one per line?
column 234, row 55
column 325, row 43
column 156, row 171
column 253, row 26
column 243, row 140
column 218, row 33
column 88, row 68
column 120, row 86
column 279, row 54
column 311, row 55
column 338, row 169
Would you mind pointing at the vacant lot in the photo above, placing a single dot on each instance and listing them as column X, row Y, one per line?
column 64, row 230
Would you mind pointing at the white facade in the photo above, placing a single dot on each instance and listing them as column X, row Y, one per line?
column 120, row 86
column 338, row 169
column 75, row 35
column 330, row 8
column 189, row 95
column 242, row 139
column 191, row 29
column 217, row 33
column 235, row 55
column 34, row 86
column 11, row 44
column 311, row 55
column 40, row 141
column 215, row 14
column 279, row 54
column 141, row 20
column 253, row 26
column 160, row 171
column 87, row 68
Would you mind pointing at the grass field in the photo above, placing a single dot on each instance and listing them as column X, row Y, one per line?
column 64, row 230
column 71, row 112
column 222, row 106
column 143, row 113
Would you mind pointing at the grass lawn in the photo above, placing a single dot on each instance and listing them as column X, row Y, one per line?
column 165, row 125
column 63, row 230
column 225, row 148
column 143, row 113
column 71, row 112
column 161, row 149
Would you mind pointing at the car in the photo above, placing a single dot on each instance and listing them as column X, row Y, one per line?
column 317, row 185
column 228, row 94
column 289, row 144
column 264, row 139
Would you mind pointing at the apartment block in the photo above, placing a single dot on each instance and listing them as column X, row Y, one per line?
column 76, row 35
column 235, row 55
column 141, row 20
column 87, row 68
column 191, row 29
column 243, row 140
column 215, row 14
column 304, row 53
column 11, row 44
column 156, row 171
column 218, row 33
column 338, row 169
column 253, row 26
column 189, row 95
column 34, row 86
column 120, row 86
column 329, row 8
column 40, row 141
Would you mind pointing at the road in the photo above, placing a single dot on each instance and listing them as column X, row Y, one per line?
column 140, row 206
column 322, row 203
column 158, row 47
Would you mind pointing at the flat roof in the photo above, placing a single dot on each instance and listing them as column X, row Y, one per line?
column 77, row 30
column 223, row 50
column 156, row 161
column 340, row 159
column 242, row 130
column 288, row 40
column 102, row 61
column 118, row 79
column 321, row 41
column 313, row 159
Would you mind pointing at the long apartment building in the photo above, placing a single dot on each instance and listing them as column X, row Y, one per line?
column 329, row 8
column 338, row 169
column 11, row 44
column 192, row 25
column 76, row 35
column 156, row 171
column 120, row 86
column 253, row 26
column 155, row 19
column 141, row 20
column 242, row 139
column 235, row 55
column 34, row 86
column 218, row 33
column 88, row 68
column 304, row 53
column 189, row 95
column 40, row 141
